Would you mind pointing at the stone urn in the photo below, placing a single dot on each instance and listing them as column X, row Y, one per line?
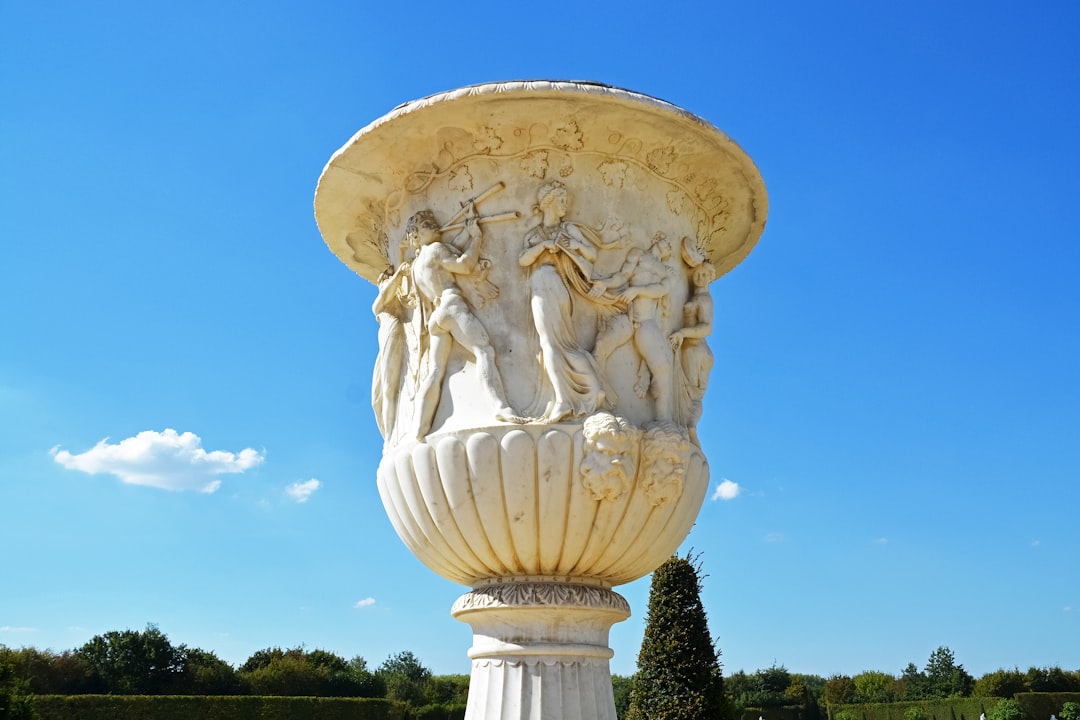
column 543, row 253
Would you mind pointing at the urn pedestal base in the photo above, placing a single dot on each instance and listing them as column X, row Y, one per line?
column 540, row 650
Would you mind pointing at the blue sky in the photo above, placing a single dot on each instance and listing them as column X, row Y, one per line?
column 896, row 396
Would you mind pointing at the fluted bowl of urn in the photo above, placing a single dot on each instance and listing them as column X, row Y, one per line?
column 604, row 502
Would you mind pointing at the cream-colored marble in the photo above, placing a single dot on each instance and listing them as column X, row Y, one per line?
column 538, row 500
column 552, row 206
column 540, row 650
column 543, row 253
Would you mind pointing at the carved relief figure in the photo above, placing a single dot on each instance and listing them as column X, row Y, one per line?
column 390, row 308
column 695, row 357
column 610, row 459
column 447, row 316
column 667, row 453
column 645, row 282
column 560, row 255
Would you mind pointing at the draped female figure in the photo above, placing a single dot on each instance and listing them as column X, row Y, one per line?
column 559, row 256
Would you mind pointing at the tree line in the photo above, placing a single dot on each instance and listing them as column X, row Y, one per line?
column 678, row 677
column 679, row 671
column 942, row 677
column 145, row 662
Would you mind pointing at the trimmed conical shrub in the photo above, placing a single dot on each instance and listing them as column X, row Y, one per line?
column 678, row 676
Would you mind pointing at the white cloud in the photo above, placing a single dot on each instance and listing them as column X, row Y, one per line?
column 366, row 602
column 882, row 541
column 166, row 460
column 1036, row 543
column 12, row 629
column 774, row 537
column 302, row 491
column 726, row 490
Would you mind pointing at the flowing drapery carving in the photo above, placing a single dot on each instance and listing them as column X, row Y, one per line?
column 560, row 257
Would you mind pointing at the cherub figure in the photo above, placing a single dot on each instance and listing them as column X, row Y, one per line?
column 645, row 282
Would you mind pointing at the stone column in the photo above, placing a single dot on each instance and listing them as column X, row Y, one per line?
column 543, row 253
column 540, row 649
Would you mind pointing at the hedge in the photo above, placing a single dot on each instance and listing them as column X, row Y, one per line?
column 952, row 709
column 785, row 712
column 438, row 712
column 1036, row 706
column 1039, row 706
column 215, row 707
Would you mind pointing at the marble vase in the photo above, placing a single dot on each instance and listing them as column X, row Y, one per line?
column 543, row 252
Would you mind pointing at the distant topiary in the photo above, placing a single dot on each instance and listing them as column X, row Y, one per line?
column 678, row 675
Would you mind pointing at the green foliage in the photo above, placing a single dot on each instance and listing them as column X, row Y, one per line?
column 171, row 707
column 204, row 673
column 46, row 672
column 874, row 687
column 1007, row 709
column 772, row 687
column 1070, row 711
column 917, row 713
column 839, row 690
column 448, row 690
column 805, row 690
column 406, row 679
column 133, row 662
column 1051, row 679
column 935, row 709
column 14, row 702
column 438, row 712
column 366, row 682
column 295, row 672
column 1013, row 683
column 405, row 664
column 845, row 715
column 140, row 662
column 620, row 686
column 913, row 684
column 945, row 678
column 778, row 713
column 942, row 678
column 1000, row 683
column 678, row 675
column 1040, row 705
column 775, row 679
column 284, row 673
